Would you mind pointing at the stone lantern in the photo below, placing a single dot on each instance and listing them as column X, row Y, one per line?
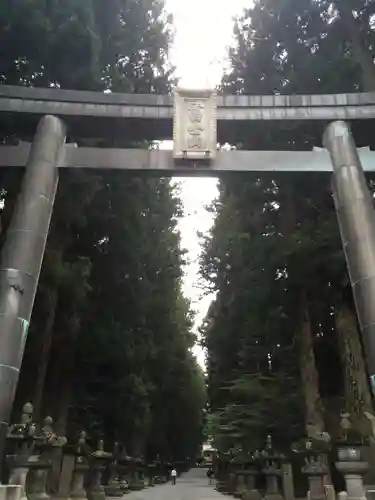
column 81, row 467
column 238, row 462
column 351, row 462
column 41, row 461
column 272, row 469
column 222, row 472
column 251, row 472
column 99, row 459
column 316, row 464
column 21, row 438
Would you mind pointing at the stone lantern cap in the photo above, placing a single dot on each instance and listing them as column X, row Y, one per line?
column 315, row 454
column 349, row 437
column 99, row 453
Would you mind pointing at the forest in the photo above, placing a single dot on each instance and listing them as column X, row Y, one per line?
column 109, row 347
column 284, row 351
column 110, row 343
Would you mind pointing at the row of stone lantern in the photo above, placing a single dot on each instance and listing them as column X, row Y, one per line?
column 239, row 474
column 32, row 451
column 267, row 473
column 349, row 450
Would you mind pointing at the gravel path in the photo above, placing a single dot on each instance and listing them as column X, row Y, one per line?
column 191, row 486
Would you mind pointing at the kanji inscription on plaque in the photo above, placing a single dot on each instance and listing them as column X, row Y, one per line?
column 194, row 124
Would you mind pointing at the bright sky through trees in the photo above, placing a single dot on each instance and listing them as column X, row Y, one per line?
column 203, row 31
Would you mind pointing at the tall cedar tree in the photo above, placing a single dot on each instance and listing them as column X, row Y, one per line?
column 110, row 338
column 274, row 255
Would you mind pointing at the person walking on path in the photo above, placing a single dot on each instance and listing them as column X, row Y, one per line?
column 174, row 475
column 210, row 474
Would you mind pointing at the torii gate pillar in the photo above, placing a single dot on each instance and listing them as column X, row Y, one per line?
column 22, row 255
column 356, row 217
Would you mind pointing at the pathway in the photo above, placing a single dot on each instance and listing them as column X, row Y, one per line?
column 191, row 486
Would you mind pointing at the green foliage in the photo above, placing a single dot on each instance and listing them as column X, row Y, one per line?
column 251, row 356
column 110, row 339
column 120, row 45
column 274, row 250
column 135, row 349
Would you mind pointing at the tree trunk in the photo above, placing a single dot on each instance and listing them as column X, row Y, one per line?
column 138, row 446
column 44, row 354
column 314, row 409
column 314, row 413
column 357, row 392
column 63, row 372
column 309, row 374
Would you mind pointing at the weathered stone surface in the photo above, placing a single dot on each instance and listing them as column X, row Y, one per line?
column 10, row 492
column 287, row 481
column 66, row 475
column 158, row 161
column 73, row 102
column 194, row 125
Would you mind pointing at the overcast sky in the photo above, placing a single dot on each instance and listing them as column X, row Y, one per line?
column 203, row 32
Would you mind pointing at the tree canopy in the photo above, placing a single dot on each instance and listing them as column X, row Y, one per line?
column 278, row 334
column 109, row 347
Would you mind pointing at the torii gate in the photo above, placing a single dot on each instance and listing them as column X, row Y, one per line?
column 199, row 118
